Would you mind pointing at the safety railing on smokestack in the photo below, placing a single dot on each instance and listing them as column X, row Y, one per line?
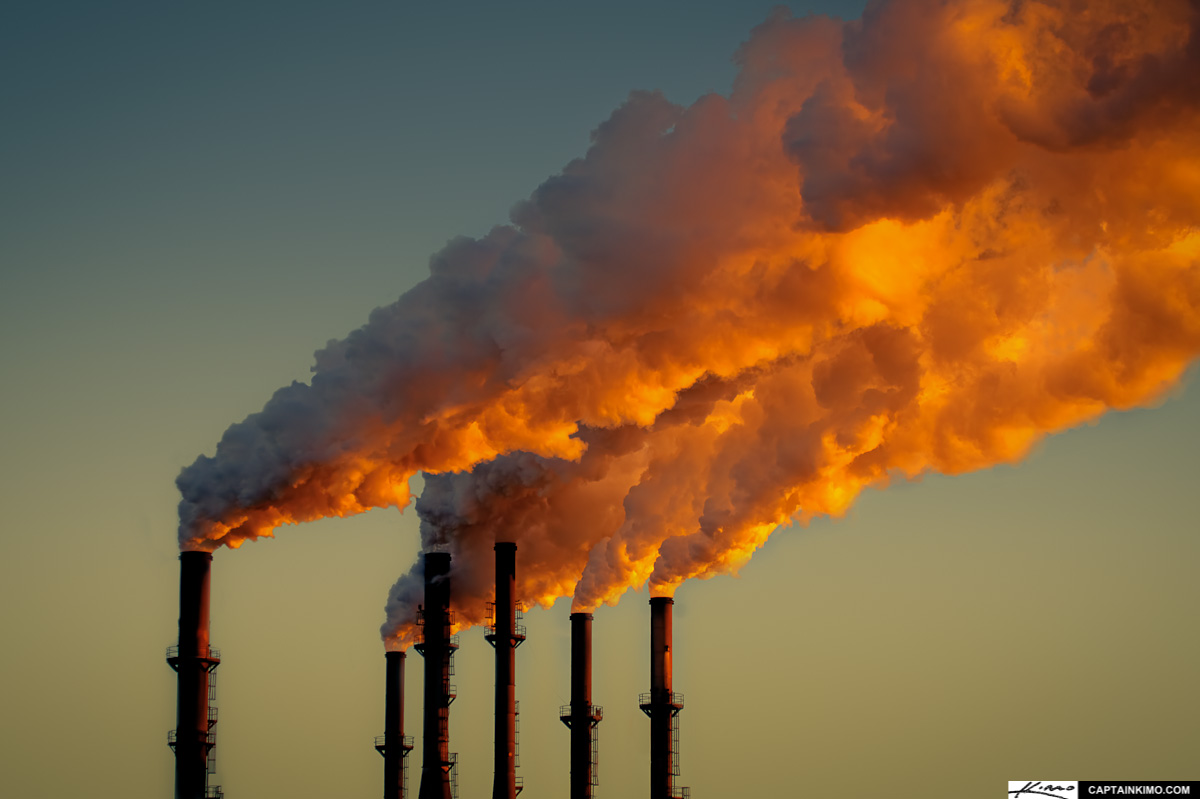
column 452, row 640
column 452, row 767
column 211, row 657
column 381, row 743
column 213, row 792
column 208, row 653
column 173, row 738
column 452, row 643
column 595, row 713
column 406, row 746
column 675, row 702
column 518, row 628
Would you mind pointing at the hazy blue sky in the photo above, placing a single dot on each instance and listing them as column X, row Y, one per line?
column 194, row 198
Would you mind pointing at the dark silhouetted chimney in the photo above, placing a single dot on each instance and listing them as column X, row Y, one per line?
column 194, row 661
column 394, row 745
column 662, row 705
column 581, row 716
column 505, row 636
column 437, row 763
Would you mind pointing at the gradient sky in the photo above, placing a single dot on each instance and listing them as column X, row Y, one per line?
column 195, row 198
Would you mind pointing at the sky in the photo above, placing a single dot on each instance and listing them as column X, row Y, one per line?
column 196, row 198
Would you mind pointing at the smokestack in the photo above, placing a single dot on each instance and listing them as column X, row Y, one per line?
column 394, row 745
column 505, row 636
column 581, row 716
column 194, row 661
column 662, row 705
column 437, row 763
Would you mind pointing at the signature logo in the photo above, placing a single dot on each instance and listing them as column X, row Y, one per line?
column 1031, row 788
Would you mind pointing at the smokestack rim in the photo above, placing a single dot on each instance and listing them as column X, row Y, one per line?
column 661, row 600
column 582, row 615
column 190, row 554
column 436, row 563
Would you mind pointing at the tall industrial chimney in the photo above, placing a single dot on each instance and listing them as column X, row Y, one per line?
column 394, row 745
column 437, row 762
column 505, row 636
column 194, row 661
column 662, row 705
column 581, row 716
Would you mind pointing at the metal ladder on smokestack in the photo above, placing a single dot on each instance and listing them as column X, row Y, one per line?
column 520, row 781
column 505, row 634
column 671, row 702
column 407, row 743
column 208, row 660
column 591, row 716
column 662, row 705
column 394, row 745
column 450, row 764
column 581, row 717
column 194, row 739
column 518, row 638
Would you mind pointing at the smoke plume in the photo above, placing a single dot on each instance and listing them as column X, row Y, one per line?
column 918, row 241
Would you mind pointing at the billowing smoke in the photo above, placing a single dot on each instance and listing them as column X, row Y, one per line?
column 919, row 241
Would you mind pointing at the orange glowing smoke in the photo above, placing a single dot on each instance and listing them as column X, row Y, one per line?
column 917, row 241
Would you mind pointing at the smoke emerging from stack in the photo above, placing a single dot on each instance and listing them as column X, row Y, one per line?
column 918, row 241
